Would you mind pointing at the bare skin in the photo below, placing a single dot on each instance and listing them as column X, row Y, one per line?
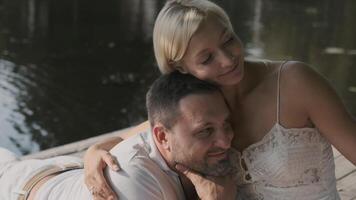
column 306, row 99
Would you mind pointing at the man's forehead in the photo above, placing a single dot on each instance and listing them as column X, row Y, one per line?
column 196, row 101
column 199, row 107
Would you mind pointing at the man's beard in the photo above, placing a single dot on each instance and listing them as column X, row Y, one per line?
column 227, row 166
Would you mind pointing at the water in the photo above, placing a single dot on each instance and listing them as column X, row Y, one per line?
column 74, row 69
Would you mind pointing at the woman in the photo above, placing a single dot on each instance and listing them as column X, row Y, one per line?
column 285, row 115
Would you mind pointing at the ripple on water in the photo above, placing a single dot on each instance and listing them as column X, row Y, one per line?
column 15, row 134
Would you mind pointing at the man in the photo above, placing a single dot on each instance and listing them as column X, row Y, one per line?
column 189, row 127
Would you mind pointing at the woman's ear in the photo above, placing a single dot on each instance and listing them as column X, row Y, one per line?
column 161, row 136
column 178, row 66
column 181, row 69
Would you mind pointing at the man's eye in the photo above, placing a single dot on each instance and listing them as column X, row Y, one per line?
column 205, row 133
column 208, row 59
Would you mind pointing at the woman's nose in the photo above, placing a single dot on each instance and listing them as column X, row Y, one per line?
column 226, row 58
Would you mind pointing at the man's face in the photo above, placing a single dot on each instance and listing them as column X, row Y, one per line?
column 202, row 134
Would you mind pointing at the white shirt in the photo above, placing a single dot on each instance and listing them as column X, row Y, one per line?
column 144, row 174
column 67, row 185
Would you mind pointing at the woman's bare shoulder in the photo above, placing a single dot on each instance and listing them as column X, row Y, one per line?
column 273, row 66
column 296, row 71
column 293, row 70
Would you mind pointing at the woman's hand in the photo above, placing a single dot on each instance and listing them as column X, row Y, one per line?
column 95, row 160
column 209, row 187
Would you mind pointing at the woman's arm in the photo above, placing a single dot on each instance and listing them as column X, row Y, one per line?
column 97, row 157
column 324, row 108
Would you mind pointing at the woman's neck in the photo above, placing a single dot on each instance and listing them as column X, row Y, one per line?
column 234, row 94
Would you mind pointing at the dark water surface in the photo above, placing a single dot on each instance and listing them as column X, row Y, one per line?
column 73, row 69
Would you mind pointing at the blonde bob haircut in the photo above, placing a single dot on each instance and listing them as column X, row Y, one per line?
column 175, row 25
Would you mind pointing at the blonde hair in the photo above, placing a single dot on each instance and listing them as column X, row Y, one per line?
column 175, row 25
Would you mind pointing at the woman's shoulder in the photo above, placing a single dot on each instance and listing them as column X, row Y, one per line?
column 294, row 71
column 294, row 75
column 273, row 66
column 299, row 78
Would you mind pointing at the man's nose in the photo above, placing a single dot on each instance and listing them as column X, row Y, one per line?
column 224, row 139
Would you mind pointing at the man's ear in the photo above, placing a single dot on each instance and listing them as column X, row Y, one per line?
column 161, row 135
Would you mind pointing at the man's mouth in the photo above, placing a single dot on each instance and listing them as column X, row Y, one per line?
column 218, row 154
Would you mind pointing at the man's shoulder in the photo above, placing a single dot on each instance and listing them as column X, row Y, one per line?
column 142, row 169
column 137, row 146
column 141, row 177
column 134, row 157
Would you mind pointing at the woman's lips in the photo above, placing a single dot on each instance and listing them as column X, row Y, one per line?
column 236, row 67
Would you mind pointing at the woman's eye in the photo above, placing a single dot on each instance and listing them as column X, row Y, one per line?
column 228, row 41
column 208, row 59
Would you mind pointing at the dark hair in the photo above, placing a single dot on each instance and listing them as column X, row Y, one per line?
column 163, row 97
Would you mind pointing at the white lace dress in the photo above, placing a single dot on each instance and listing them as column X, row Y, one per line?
column 288, row 164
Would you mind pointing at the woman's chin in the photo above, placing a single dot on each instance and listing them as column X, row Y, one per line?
column 233, row 78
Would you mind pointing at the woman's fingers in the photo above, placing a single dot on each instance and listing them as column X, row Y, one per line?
column 111, row 161
column 103, row 192
column 210, row 187
column 190, row 174
column 99, row 188
column 95, row 160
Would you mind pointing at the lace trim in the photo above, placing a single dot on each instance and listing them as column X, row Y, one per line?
column 277, row 137
column 294, row 136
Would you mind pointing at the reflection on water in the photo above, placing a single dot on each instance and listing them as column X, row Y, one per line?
column 73, row 69
column 15, row 132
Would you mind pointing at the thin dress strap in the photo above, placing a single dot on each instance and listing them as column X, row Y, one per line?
column 278, row 89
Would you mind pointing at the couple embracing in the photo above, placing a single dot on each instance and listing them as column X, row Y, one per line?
column 220, row 127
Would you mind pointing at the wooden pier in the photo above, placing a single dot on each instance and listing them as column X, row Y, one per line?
column 345, row 171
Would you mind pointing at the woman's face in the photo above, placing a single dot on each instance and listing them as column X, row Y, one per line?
column 214, row 54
